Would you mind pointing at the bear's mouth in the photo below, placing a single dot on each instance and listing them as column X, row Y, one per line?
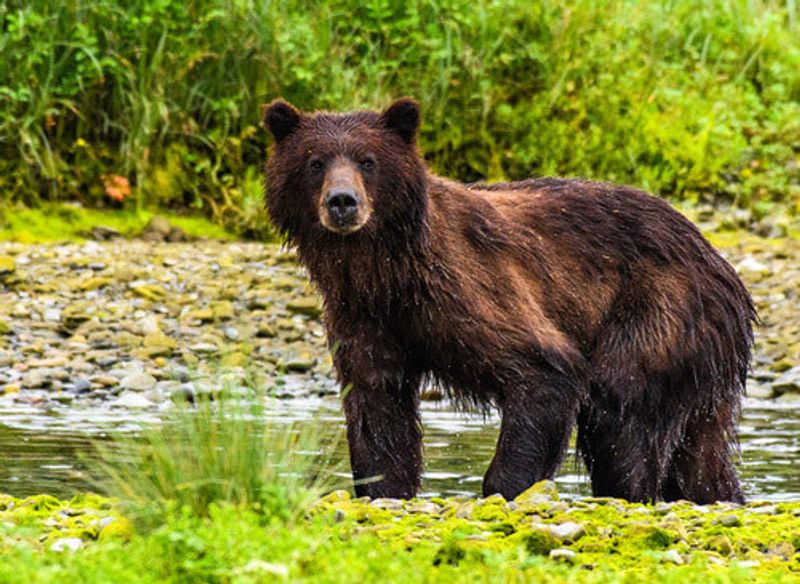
column 343, row 226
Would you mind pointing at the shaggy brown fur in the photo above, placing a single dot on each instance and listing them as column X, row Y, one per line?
column 560, row 302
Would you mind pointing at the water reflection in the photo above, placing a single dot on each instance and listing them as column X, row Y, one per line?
column 47, row 452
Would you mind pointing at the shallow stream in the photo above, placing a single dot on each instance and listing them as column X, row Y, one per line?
column 48, row 453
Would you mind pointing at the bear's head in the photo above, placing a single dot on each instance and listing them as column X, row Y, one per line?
column 344, row 175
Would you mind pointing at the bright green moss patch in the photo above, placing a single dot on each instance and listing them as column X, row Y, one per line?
column 450, row 540
column 56, row 222
column 39, row 522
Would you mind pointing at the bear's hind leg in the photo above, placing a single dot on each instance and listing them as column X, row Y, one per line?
column 626, row 452
column 702, row 468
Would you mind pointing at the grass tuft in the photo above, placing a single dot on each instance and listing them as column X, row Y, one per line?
column 227, row 450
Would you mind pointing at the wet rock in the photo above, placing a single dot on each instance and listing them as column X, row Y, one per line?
column 36, row 379
column 133, row 401
column 541, row 492
column 300, row 363
column 103, row 233
column 81, row 386
column 157, row 229
column 788, row 382
column 152, row 292
column 138, row 382
column 387, row 503
column 7, row 265
column 764, row 510
column 563, row 555
column 308, row 306
column 672, row 557
column 105, row 380
column 201, row 314
column 730, row 521
column 265, row 331
column 204, row 348
column 720, row 544
column 783, row 550
column 94, row 283
column 158, row 344
column 568, row 531
column 66, row 544
column 222, row 310
column 423, row 507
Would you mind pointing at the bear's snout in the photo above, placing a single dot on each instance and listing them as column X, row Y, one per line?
column 344, row 205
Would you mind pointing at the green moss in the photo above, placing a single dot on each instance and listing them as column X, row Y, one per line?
column 539, row 543
column 414, row 541
column 56, row 222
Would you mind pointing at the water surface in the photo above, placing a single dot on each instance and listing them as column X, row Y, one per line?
column 47, row 452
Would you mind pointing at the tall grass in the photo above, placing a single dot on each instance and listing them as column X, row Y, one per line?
column 229, row 450
column 688, row 99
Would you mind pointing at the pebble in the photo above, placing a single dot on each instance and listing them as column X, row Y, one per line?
column 133, row 401
column 672, row 556
column 730, row 521
column 387, row 503
column 568, row 531
column 563, row 555
column 66, row 544
column 138, row 382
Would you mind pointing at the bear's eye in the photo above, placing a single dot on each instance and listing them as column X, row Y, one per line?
column 315, row 166
column 367, row 165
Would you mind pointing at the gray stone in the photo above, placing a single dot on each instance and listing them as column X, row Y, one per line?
column 138, row 382
column 568, row 531
column 387, row 503
column 672, row 556
column 563, row 555
column 730, row 521
column 788, row 382
column 66, row 544
column 133, row 401
column 36, row 378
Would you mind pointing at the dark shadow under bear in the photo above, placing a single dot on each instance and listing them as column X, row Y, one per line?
column 559, row 302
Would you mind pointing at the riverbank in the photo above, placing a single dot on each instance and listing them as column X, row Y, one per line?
column 132, row 322
column 535, row 537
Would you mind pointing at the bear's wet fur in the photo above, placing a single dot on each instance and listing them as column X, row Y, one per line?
column 559, row 302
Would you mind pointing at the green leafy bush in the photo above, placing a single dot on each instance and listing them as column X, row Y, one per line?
column 682, row 98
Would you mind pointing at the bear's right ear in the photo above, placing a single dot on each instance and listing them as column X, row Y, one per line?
column 282, row 118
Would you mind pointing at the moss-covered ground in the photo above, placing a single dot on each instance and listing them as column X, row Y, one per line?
column 537, row 537
column 62, row 222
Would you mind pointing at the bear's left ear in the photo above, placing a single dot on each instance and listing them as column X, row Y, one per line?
column 282, row 118
column 402, row 117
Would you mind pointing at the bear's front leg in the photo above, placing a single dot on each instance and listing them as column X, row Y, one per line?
column 382, row 410
column 537, row 421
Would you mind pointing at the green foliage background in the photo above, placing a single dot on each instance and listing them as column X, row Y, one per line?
column 691, row 100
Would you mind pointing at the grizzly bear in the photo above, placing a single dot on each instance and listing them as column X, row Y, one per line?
column 559, row 302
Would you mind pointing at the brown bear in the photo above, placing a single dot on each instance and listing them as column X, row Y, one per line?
column 559, row 302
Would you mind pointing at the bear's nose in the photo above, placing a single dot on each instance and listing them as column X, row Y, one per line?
column 342, row 204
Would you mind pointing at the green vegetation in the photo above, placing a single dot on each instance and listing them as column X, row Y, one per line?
column 226, row 449
column 690, row 100
column 418, row 541
column 64, row 222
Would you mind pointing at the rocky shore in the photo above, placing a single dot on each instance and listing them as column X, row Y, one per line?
column 130, row 323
